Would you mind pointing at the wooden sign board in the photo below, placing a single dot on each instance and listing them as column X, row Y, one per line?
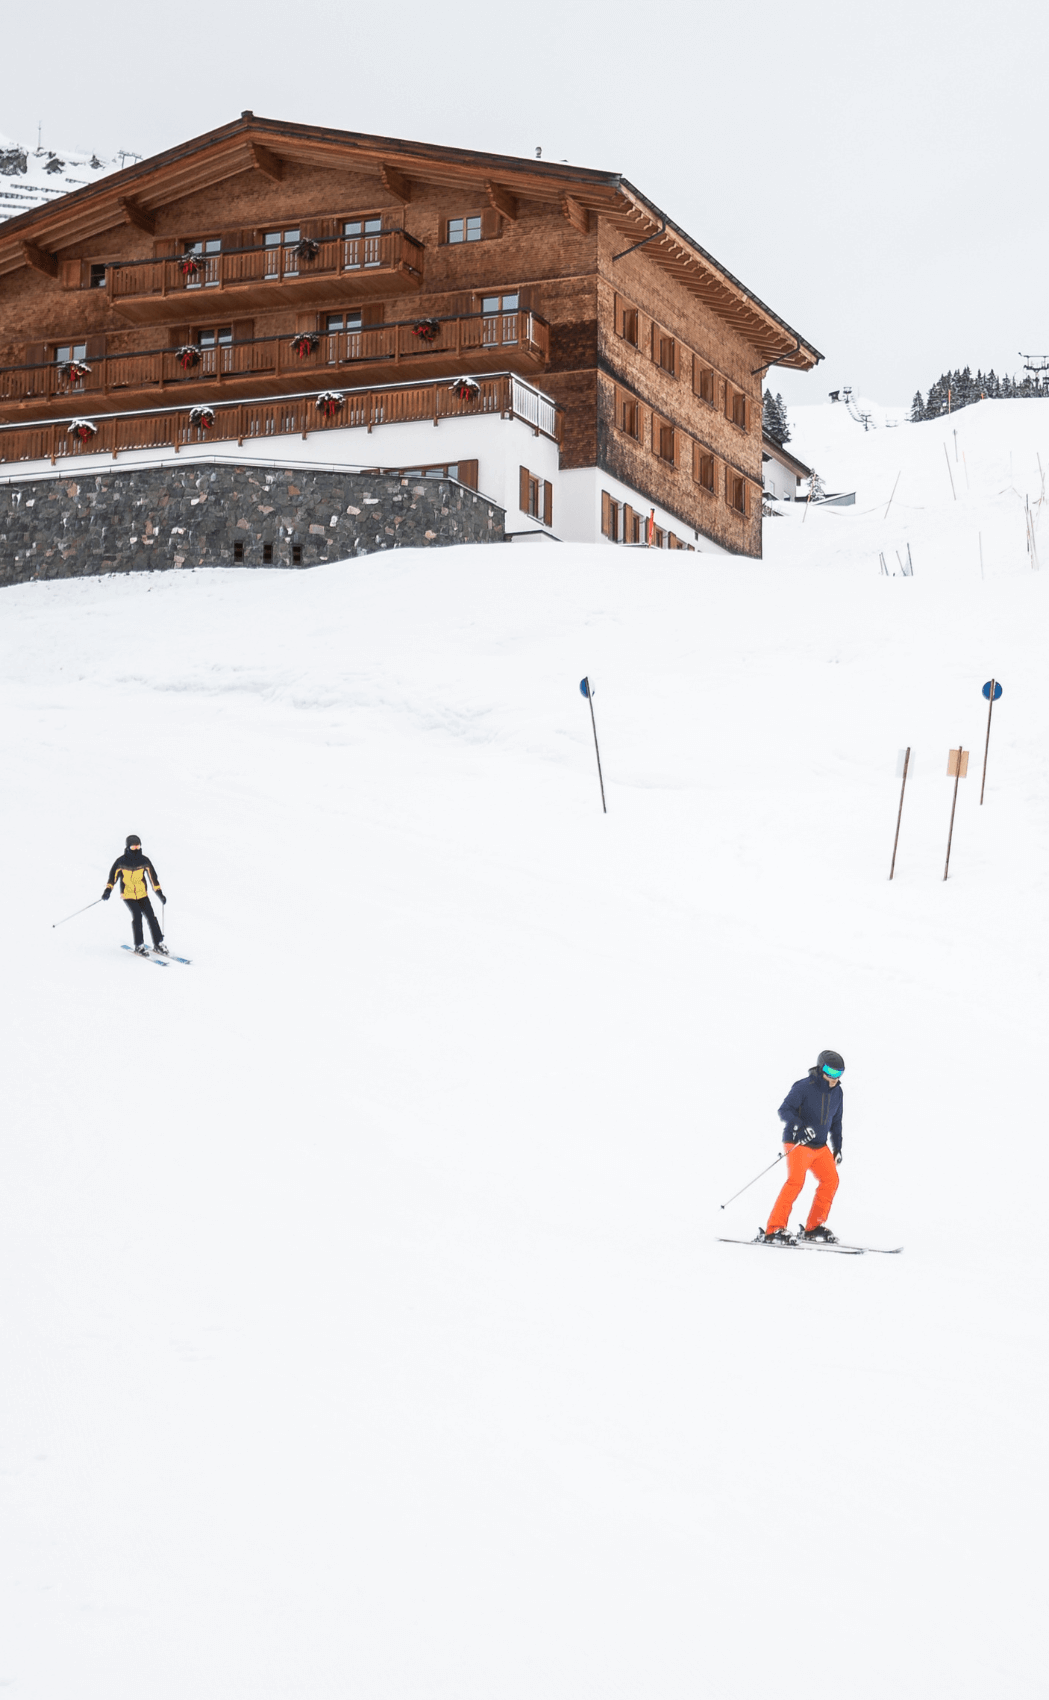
column 953, row 770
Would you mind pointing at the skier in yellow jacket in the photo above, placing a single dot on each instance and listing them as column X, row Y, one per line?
column 133, row 869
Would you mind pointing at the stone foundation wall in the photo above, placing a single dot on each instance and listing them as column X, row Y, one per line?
column 139, row 519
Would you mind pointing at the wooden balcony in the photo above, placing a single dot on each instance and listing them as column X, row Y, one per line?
column 467, row 343
column 344, row 268
column 503, row 396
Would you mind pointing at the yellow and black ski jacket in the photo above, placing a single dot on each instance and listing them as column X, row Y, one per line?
column 131, row 868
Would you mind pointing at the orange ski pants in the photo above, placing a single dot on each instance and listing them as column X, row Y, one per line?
column 803, row 1160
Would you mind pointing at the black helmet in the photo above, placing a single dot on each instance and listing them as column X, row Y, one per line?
column 133, row 838
column 830, row 1059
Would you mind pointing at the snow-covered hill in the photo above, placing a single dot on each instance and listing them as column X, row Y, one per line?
column 31, row 176
column 364, row 1327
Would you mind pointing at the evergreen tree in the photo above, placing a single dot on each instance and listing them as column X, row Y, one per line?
column 774, row 422
column 917, row 413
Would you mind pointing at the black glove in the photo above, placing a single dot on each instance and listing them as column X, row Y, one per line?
column 837, row 1156
column 163, row 899
column 107, row 893
column 806, row 1135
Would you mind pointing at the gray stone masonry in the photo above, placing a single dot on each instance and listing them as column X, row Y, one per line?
column 139, row 519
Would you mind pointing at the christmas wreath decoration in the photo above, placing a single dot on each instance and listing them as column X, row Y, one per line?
column 304, row 343
column 74, row 371
column 188, row 356
column 427, row 330
column 466, row 389
column 202, row 417
column 329, row 402
column 189, row 265
column 306, row 248
column 82, row 430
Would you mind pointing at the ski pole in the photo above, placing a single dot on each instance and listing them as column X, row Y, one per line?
column 749, row 1184
column 75, row 913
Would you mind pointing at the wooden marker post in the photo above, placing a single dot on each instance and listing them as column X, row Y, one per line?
column 958, row 766
column 899, row 816
column 584, row 688
column 992, row 691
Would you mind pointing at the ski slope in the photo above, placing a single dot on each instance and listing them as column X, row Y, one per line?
column 363, row 1323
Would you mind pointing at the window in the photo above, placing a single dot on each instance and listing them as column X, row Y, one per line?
column 465, row 229
column 267, row 554
column 66, row 351
column 350, row 321
column 664, row 350
column 736, row 492
column 537, row 497
column 277, row 263
column 500, row 318
column 296, row 554
column 465, row 471
column 736, row 407
column 97, row 278
column 627, row 414
column 703, row 381
column 207, row 256
column 626, row 321
column 238, row 550
column 663, row 440
column 703, row 470
column 362, row 243
column 216, row 336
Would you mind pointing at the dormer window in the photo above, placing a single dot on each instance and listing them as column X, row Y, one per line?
column 97, row 278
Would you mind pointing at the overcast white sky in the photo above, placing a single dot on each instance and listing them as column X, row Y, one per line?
column 874, row 173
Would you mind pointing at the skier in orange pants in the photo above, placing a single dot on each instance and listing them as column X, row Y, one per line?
column 811, row 1114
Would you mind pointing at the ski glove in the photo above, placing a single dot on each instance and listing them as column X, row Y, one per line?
column 806, row 1135
column 837, row 1156
column 107, row 894
column 163, row 899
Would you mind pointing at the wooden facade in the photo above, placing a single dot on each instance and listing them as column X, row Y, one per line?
column 268, row 259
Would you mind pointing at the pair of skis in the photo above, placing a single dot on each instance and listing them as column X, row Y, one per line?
column 161, row 958
column 817, row 1245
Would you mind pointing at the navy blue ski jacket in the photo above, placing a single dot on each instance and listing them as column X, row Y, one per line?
column 812, row 1102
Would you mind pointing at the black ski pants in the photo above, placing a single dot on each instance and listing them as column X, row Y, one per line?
column 140, row 906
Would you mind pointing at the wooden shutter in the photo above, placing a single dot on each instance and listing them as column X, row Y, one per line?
column 165, row 248
column 96, row 347
column 491, row 223
column 372, row 314
column 468, row 473
column 243, row 330
column 70, row 274
column 524, row 489
column 606, row 514
column 34, row 354
column 548, row 503
column 628, row 523
column 308, row 322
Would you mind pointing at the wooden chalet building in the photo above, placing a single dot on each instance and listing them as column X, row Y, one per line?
column 299, row 294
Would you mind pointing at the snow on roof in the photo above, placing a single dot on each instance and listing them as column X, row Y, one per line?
column 31, row 176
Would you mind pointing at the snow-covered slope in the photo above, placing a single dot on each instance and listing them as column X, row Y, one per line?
column 364, row 1327
column 31, row 176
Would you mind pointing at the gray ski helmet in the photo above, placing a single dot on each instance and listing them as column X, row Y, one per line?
column 830, row 1059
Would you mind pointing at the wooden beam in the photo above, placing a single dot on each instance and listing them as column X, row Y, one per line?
column 577, row 216
column 396, row 182
column 136, row 215
column 265, row 161
column 502, row 200
column 39, row 260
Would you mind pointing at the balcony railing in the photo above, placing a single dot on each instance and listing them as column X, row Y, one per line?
column 447, row 345
column 503, row 394
column 186, row 281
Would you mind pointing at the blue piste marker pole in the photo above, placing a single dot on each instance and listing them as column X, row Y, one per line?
column 584, row 688
column 992, row 691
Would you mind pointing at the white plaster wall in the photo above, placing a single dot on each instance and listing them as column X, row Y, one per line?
column 779, row 481
column 577, row 510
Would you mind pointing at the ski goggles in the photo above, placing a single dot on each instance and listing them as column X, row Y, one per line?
column 835, row 1073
